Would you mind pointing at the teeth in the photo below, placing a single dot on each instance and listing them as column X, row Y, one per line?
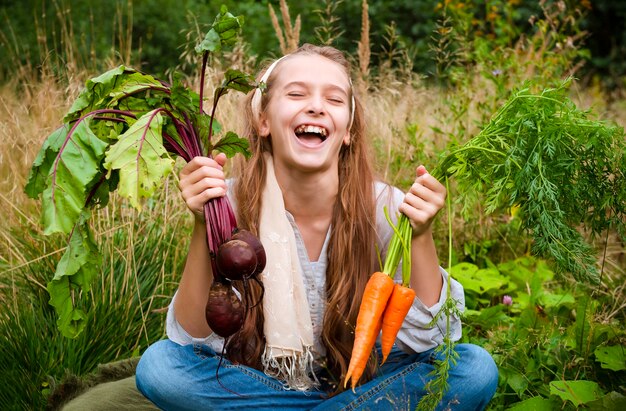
column 311, row 129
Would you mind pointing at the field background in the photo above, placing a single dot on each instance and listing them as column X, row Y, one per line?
column 430, row 74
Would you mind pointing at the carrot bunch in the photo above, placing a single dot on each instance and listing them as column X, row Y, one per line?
column 384, row 304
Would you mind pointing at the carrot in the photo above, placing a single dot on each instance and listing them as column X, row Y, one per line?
column 368, row 323
column 402, row 297
column 376, row 299
column 398, row 306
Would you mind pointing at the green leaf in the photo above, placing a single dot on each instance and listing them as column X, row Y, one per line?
column 112, row 90
column 238, row 80
column 557, row 300
column 578, row 392
column 611, row 357
column 582, row 326
column 232, row 144
column 94, row 89
column 131, row 84
column 516, row 380
column 533, row 404
column 40, row 169
column 488, row 317
column 183, row 99
column 480, row 281
column 202, row 122
column 211, row 43
column 224, row 32
column 70, row 176
column 611, row 401
column 76, row 269
column 141, row 158
column 107, row 130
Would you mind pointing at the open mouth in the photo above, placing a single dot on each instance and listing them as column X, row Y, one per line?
column 310, row 134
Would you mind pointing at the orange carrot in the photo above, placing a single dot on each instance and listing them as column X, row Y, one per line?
column 398, row 306
column 376, row 298
column 368, row 323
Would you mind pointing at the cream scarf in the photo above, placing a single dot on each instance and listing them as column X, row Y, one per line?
column 288, row 331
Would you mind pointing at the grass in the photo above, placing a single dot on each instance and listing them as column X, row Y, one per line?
column 142, row 257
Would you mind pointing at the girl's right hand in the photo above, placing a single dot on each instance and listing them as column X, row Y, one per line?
column 201, row 180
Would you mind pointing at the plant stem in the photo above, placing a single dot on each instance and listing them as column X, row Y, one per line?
column 217, row 97
column 398, row 242
column 205, row 58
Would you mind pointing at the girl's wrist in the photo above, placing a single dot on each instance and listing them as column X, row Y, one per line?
column 423, row 235
column 198, row 220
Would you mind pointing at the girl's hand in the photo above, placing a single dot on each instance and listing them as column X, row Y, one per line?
column 201, row 180
column 423, row 201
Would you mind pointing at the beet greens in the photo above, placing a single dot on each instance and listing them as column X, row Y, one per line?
column 121, row 133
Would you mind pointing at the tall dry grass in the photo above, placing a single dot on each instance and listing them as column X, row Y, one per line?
column 408, row 121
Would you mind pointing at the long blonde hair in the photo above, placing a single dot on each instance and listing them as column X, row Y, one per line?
column 351, row 250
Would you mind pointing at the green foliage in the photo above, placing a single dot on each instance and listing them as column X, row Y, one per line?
column 611, row 357
column 77, row 268
column 542, row 155
column 438, row 385
column 68, row 175
column 140, row 157
column 550, row 347
column 534, row 403
column 328, row 31
column 154, row 32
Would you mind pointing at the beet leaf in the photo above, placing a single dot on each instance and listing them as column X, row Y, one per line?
column 141, row 158
column 68, row 175
column 77, row 268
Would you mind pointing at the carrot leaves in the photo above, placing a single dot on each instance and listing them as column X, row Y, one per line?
column 562, row 170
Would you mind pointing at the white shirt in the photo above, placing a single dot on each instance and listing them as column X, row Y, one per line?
column 414, row 335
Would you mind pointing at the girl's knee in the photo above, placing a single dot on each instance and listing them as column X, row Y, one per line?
column 155, row 372
column 477, row 371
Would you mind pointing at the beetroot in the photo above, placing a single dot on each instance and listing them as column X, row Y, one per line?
column 257, row 246
column 236, row 260
column 224, row 311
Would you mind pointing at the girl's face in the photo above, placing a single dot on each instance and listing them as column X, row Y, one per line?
column 308, row 113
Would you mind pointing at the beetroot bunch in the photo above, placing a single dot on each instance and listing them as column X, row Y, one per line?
column 242, row 258
column 122, row 134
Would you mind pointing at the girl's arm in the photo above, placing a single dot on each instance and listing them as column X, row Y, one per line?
column 200, row 180
column 421, row 204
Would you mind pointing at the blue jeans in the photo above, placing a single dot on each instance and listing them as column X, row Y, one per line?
column 177, row 377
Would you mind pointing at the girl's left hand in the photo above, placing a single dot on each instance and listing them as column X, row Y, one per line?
column 423, row 201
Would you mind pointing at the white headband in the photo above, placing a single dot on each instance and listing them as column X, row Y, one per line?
column 258, row 93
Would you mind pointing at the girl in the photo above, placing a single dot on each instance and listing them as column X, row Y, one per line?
column 309, row 193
